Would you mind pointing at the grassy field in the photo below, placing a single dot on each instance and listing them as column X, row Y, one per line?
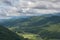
column 30, row 36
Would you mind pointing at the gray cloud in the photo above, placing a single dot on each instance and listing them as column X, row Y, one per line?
column 28, row 7
column 7, row 2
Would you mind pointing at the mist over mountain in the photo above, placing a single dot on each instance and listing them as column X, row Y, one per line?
column 6, row 21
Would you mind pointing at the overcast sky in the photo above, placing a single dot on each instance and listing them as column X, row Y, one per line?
column 10, row 8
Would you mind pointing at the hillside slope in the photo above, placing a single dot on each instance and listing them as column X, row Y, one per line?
column 6, row 34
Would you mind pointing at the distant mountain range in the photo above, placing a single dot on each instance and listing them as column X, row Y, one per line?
column 22, row 18
column 46, row 26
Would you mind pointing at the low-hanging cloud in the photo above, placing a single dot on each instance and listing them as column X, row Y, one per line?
column 10, row 8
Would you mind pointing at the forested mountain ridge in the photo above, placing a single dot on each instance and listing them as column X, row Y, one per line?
column 48, row 28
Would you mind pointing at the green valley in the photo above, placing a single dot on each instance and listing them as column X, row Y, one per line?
column 45, row 28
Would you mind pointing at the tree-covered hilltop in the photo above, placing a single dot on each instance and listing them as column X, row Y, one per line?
column 6, row 34
column 48, row 28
